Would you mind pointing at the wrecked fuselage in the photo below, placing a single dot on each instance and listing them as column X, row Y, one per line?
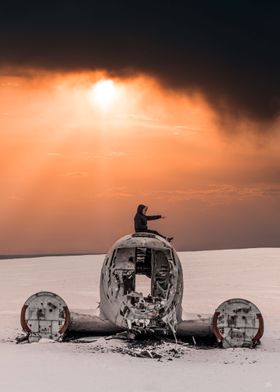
column 122, row 301
column 126, row 304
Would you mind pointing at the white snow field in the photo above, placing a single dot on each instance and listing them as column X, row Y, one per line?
column 210, row 277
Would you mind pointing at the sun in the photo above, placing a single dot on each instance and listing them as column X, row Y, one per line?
column 103, row 93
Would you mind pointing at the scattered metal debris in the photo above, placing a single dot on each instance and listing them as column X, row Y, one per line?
column 160, row 350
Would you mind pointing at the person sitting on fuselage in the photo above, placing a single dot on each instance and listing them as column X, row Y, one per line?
column 141, row 219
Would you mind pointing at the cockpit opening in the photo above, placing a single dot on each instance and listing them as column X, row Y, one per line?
column 145, row 271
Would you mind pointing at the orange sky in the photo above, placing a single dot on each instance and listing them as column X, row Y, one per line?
column 74, row 168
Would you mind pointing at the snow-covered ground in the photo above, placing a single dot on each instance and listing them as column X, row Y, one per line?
column 210, row 277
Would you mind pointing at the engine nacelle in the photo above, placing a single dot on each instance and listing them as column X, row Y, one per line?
column 45, row 315
column 238, row 323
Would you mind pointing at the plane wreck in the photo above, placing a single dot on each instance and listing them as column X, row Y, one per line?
column 125, row 306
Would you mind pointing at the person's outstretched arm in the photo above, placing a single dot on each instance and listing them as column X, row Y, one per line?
column 153, row 217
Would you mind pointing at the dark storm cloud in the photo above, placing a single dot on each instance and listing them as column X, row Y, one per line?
column 229, row 50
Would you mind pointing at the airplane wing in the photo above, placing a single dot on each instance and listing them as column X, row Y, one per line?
column 197, row 328
column 46, row 315
column 88, row 324
column 236, row 322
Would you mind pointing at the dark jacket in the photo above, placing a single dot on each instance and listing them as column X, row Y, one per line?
column 140, row 220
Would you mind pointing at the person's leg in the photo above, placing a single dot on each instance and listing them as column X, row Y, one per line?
column 155, row 232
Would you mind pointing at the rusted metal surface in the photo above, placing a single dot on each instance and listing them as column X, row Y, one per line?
column 257, row 338
column 23, row 320
column 238, row 323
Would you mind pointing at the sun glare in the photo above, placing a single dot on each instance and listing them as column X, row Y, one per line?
column 103, row 93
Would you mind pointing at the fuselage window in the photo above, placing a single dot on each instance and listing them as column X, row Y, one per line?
column 124, row 269
column 160, row 274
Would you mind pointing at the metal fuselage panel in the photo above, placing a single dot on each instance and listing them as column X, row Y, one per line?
column 120, row 300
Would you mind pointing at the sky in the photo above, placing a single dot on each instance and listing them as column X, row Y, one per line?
column 106, row 106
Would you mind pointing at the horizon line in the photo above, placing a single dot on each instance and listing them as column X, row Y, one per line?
column 37, row 255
